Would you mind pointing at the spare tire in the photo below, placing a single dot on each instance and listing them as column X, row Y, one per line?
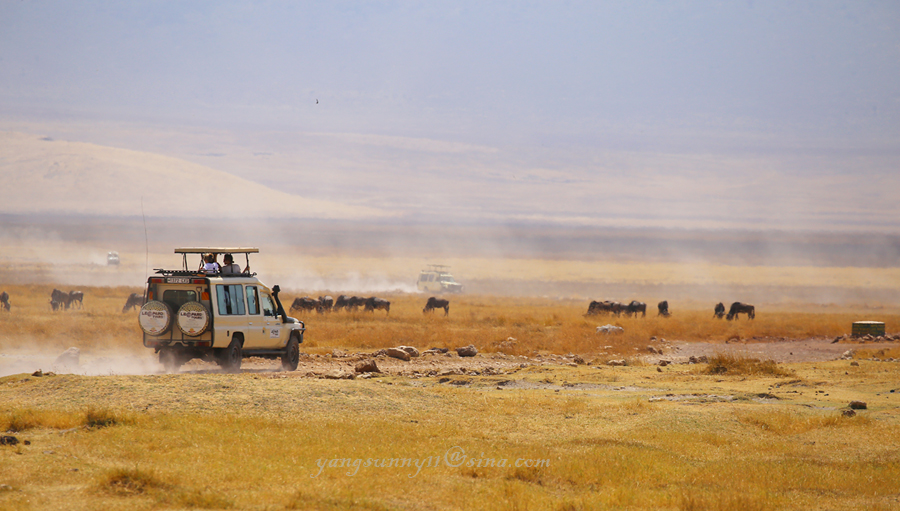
column 155, row 318
column 193, row 319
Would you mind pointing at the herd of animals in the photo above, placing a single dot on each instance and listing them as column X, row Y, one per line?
column 60, row 300
column 635, row 307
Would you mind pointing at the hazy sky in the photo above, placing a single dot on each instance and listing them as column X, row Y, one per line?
column 750, row 77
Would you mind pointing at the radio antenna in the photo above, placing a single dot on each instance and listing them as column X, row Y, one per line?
column 146, row 242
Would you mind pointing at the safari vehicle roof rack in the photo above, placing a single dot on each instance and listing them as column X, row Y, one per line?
column 184, row 251
column 442, row 268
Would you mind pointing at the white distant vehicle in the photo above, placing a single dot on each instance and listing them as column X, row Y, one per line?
column 216, row 316
column 112, row 259
column 437, row 279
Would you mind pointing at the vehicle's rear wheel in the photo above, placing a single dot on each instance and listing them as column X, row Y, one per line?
column 291, row 358
column 231, row 357
column 170, row 360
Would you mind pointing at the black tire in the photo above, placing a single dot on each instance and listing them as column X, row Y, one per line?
column 170, row 360
column 291, row 358
column 232, row 355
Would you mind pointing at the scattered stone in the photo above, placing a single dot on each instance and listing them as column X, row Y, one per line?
column 578, row 360
column 439, row 350
column 658, row 369
column 664, row 363
column 366, row 366
column 380, row 353
column 337, row 374
column 854, row 363
column 38, row 373
column 68, row 359
column 467, row 351
column 653, row 350
column 397, row 353
column 848, row 413
column 413, row 352
column 858, row 405
column 615, row 362
column 8, row 440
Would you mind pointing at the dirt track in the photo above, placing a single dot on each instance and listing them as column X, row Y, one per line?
column 339, row 364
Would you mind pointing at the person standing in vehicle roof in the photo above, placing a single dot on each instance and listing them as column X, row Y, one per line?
column 231, row 267
column 210, row 266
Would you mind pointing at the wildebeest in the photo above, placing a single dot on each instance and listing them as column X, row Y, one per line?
column 663, row 307
column 738, row 308
column 374, row 303
column 605, row 306
column 355, row 302
column 4, row 300
column 134, row 300
column 341, row 302
column 304, row 303
column 326, row 303
column 435, row 303
column 61, row 299
column 76, row 296
column 634, row 307
column 56, row 305
column 720, row 310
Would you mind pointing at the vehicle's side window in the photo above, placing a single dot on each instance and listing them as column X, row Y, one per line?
column 430, row 278
column 268, row 305
column 230, row 299
column 252, row 300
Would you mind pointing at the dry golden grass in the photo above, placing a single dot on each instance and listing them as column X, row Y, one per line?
column 247, row 441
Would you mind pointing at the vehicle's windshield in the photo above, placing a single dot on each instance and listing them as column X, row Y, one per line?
column 446, row 278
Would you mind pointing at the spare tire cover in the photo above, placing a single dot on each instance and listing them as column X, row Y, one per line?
column 155, row 318
column 193, row 318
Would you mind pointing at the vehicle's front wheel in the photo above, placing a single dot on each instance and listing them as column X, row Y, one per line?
column 231, row 358
column 170, row 360
column 291, row 358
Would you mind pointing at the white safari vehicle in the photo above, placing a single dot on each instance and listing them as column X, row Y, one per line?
column 437, row 279
column 190, row 313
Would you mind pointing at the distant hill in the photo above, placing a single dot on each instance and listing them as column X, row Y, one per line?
column 42, row 175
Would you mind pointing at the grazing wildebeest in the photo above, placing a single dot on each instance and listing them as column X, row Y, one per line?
column 435, row 303
column 326, row 303
column 76, row 296
column 134, row 300
column 634, row 307
column 720, row 311
column 304, row 303
column 341, row 302
column 56, row 305
column 374, row 303
column 663, row 307
column 355, row 302
column 4, row 300
column 738, row 307
column 605, row 306
column 62, row 299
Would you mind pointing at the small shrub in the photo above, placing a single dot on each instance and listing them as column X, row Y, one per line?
column 732, row 365
column 127, row 481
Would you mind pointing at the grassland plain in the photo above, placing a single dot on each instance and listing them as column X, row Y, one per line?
column 636, row 437
column 600, row 438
